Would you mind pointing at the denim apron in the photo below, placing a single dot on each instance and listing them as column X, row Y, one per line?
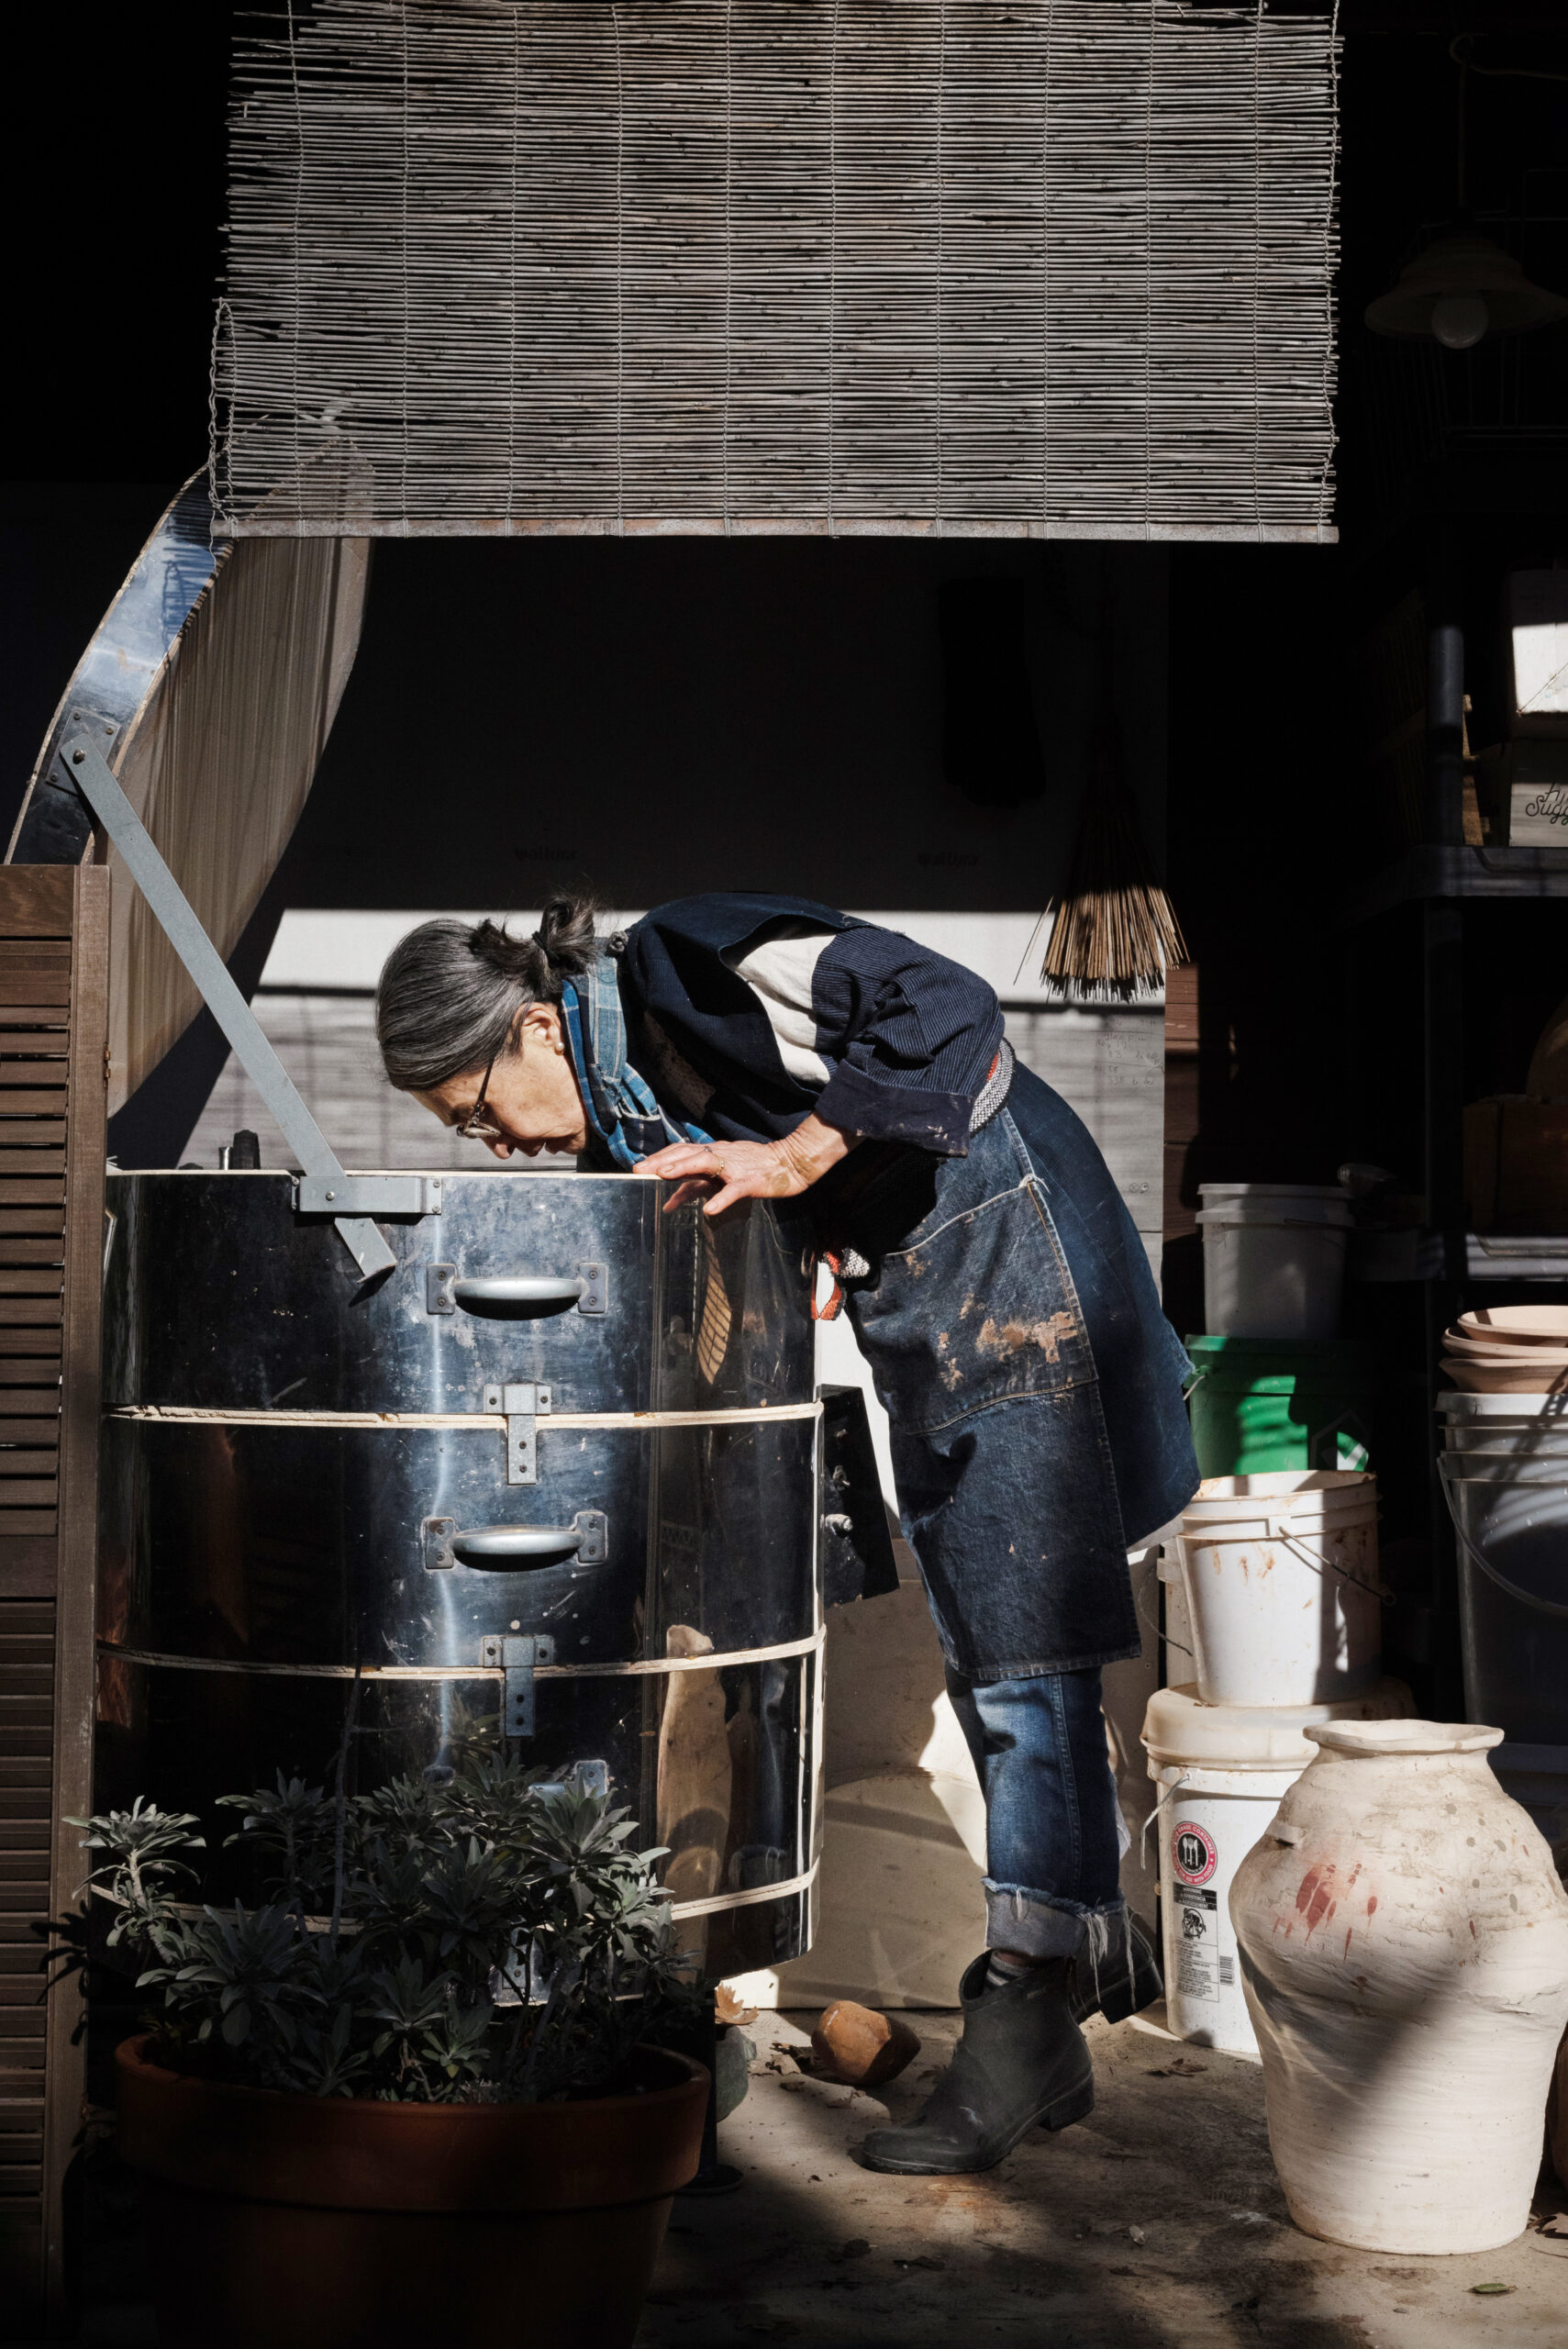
column 972, row 1323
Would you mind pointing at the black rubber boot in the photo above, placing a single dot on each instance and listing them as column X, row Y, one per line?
column 1022, row 2063
column 1122, row 1982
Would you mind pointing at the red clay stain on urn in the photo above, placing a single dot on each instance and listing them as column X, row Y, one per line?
column 1315, row 1899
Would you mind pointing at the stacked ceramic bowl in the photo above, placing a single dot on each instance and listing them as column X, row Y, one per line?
column 1509, row 1350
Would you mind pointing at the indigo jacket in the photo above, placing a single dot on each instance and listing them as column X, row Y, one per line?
column 1008, row 1313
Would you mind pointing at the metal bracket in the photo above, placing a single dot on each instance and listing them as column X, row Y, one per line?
column 595, row 1546
column 522, row 1405
column 374, row 1195
column 436, row 1541
column 596, row 1297
column 518, row 1659
column 80, row 760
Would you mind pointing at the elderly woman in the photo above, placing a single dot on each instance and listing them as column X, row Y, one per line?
column 767, row 1047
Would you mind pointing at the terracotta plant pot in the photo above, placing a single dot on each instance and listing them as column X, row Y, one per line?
column 326, row 2223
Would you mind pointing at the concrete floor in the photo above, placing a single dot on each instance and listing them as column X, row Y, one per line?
column 1155, row 2224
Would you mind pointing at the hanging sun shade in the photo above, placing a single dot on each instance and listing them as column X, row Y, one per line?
column 1045, row 268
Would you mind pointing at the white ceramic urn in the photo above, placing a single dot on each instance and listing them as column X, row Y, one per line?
column 1403, row 1946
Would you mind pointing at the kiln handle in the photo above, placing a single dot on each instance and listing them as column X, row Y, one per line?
column 504, row 1546
column 498, row 1297
column 529, row 1288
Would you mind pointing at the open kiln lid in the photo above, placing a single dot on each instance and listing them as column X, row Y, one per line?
column 220, row 668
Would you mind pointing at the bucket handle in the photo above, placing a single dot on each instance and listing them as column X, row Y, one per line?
column 1279, row 1524
column 1150, row 1624
column 1173, row 1789
column 1525, row 1598
column 1378, row 1590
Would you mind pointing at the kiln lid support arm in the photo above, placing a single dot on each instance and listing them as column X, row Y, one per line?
column 80, row 763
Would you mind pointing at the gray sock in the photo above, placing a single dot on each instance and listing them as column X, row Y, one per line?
column 1005, row 1967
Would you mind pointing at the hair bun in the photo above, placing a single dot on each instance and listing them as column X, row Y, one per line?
column 492, row 944
column 565, row 935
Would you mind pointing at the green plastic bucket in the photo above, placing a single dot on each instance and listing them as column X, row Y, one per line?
column 1265, row 1403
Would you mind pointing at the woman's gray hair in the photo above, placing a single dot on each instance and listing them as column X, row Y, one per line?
column 450, row 992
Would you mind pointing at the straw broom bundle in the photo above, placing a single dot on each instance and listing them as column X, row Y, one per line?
column 1115, row 930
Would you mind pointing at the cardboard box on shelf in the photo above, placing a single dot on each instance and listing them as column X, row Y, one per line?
column 1536, row 617
column 1534, row 796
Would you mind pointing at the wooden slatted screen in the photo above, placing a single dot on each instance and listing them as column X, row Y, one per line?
column 53, row 1001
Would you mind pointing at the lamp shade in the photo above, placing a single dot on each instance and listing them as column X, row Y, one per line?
column 1459, row 287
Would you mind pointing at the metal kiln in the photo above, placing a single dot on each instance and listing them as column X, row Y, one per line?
column 557, row 1469
column 389, row 1456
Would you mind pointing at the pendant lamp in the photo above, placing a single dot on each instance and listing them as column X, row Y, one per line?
column 1461, row 287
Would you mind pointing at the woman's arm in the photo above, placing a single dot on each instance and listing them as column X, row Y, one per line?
column 754, row 1170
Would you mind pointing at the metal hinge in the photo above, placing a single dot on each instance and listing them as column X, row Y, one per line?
column 371, row 1195
column 518, row 1659
column 522, row 1405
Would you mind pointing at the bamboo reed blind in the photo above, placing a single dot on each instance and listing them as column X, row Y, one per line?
column 1056, row 267
column 55, row 938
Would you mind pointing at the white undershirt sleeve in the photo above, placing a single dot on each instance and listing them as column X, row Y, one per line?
column 779, row 970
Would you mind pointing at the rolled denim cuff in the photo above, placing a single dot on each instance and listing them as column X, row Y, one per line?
column 1037, row 1924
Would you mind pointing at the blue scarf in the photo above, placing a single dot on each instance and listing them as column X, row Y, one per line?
column 620, row 1109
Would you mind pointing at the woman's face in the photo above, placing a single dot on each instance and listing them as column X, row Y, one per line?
column 531, row 1101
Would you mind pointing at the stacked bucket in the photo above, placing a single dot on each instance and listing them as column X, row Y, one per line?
column 1273, row 1600
column 1505, row 1472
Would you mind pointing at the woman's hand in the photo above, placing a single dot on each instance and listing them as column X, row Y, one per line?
column 750, row 1170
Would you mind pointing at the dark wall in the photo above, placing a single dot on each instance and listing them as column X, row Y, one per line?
column 113, row 162
column 680, row 715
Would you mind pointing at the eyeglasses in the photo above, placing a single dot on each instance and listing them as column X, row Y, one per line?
column 476, row 1126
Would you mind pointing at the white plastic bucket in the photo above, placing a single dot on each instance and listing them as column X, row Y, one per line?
column 1511, row 1518
column 1325, row 1199
column 1208, row 1824
column 1508, row 1439
column 1534, row 1411
column 1222, row 1771
column 1274, row 1259
column 1282, row 1586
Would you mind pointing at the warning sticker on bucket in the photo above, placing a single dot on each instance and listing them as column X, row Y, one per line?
column 1197, row 1943
column 1194, row 1855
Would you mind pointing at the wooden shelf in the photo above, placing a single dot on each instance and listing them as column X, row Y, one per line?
column 1381, row 1257
column 1434, row 871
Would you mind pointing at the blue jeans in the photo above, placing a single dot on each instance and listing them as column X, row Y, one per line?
column 1052, row 1849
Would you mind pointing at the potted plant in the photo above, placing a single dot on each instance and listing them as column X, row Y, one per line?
column 415, row 2089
